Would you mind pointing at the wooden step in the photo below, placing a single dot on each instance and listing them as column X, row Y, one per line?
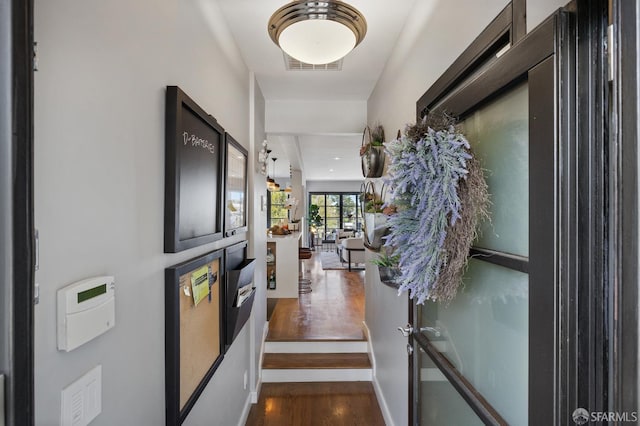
column 316, row 361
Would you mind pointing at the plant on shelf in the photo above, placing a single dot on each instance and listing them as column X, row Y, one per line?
column 388, row 268
column 374, row 215
column 374, row 206
column 372, row 151
column 440, row 192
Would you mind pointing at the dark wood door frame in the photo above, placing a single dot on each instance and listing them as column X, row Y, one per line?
column 16, row 190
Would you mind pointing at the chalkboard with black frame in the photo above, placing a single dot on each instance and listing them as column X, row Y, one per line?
column 194, row 165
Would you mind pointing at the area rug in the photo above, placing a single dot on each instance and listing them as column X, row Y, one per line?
column 331, row 261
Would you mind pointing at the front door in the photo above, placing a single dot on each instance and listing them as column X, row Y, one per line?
column 493, row 354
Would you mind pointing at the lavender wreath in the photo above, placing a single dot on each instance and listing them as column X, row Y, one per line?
column 440, row 193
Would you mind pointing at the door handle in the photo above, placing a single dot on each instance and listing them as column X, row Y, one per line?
column 406, row 331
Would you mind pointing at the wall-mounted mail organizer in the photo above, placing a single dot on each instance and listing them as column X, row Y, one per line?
column 239, row 292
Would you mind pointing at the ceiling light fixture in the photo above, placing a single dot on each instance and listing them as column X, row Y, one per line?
column 317, row 32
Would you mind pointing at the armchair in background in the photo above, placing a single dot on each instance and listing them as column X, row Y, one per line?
column 352, row 251
column 342, row 234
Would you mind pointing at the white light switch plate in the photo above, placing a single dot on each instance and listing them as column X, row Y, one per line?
column 82, row 399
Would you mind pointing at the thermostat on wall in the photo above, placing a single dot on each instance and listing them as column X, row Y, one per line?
column 86, row 309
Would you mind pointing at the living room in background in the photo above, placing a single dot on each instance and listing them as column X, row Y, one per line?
column 338, row 210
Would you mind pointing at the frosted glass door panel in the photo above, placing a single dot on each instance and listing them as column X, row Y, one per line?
column 485, row 335
column 499, row 135
column 441, row 403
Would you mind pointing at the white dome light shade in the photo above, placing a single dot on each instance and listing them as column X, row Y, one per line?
column 317, row 32
column 317, row 41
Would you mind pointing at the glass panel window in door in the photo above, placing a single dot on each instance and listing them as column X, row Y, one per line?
column 484, row 333
column 441, row 403
column 499, row 135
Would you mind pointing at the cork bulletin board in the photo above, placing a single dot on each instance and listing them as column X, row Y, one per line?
column 193, row 331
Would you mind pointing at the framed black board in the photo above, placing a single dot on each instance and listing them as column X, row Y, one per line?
column 236, row 185
column 194, row 164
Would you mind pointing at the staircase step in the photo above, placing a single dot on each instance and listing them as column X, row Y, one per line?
column 316, row 361
column 316, row 375
column 309, row 346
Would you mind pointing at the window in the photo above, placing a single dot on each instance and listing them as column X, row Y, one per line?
column 338, row 211
column 277, row 213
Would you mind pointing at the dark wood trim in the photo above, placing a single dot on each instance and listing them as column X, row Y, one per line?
column 413, row 400
column 21, row 383
column 490, row 40
column 543, row 146
column 473, row 397
column 624, row 202
column 511, row 261
column 515, row 63
column 583, row 77
column 519, row 20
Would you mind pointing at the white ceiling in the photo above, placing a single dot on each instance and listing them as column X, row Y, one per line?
column 315, row 154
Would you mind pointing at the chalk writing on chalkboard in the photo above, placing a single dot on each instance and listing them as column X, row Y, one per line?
column 194, row 174
column 198, row 142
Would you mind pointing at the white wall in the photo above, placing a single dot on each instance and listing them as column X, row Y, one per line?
column 315, row 117
column 434, row 36
column 333, row 186
column 99, row 191
column 257, row 228
column 539, row 10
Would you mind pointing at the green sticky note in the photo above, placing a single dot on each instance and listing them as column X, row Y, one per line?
column 200, row 284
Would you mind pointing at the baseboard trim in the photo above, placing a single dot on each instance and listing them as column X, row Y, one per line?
column 386, row 414
column 245, row 411
column 255, row 394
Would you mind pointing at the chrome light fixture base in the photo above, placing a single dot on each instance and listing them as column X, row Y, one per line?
column 299, row 11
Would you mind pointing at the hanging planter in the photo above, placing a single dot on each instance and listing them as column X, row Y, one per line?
column 375, row 225
column 440, row 193
column 388, row 269
column 372, row 152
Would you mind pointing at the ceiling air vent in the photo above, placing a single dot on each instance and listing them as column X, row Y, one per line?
column 292, row 64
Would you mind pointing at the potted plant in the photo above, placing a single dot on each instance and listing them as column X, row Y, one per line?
column 388, row 269
column 315, row 221
column 374, row 214
column 372, row 153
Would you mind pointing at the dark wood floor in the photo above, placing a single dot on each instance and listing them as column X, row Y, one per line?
column 321, row 404
column 334, row 310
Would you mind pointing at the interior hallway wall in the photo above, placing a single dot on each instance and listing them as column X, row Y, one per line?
column 99, row 190
column 435, row 35
column 257, row 228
